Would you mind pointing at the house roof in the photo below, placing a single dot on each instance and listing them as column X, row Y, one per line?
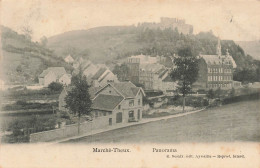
column 58, row 71
column 127, row 89
column 99, row 73
column 69, row 58
column 106, row 102
column 104, row 77
column 92, row 91
column 215, row 59
column 151, row 67
column 162, row 72
column 145, row 59
column 211, row 59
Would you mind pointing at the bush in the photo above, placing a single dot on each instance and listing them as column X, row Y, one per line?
column 235, row 99
column 153, row 94
column 55, row 86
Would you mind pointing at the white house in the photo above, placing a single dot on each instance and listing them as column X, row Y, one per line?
column 65, row 79
column 54, row 74
column 69, row 59
column 118, row 102
column 102, row 77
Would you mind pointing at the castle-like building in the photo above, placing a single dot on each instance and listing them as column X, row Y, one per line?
column 216, row 71
column 172, row 23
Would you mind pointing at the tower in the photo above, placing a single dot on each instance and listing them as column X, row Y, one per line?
column 219, row 48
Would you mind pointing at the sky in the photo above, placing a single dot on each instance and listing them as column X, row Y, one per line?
column 237, row 20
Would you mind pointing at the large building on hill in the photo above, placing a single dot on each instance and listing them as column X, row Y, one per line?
column 118, row 102
column 215, row 71
column 172, row 23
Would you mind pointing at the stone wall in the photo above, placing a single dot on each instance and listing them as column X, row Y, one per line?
column 70, row 130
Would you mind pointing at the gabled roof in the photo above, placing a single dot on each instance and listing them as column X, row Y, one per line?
column 69, row 58
column 162, row 72
column 211, row 59
column 145, row 59
column 58, row 71
column 106, row 102
column 151, row 67
column 127, row 89
column 104, row 77
column 215, row 59
column 99, row 73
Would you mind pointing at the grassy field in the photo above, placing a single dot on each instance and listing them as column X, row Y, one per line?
column 229, row 123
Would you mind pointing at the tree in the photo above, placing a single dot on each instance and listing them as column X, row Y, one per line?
column 121, row 71
column 186, row 71
column 27, row 31
column 44, row 41
column 218, row 93
column 55, row 86
column 211, row 94
column 78, row 98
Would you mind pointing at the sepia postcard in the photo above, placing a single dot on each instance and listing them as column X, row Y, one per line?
column 130, row 83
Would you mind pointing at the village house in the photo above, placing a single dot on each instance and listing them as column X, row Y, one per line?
column 151, row 72
column 54, row 74
column 215, row 71
column 152, row 75
column 98, row 75
column 119, row 102
column 168, row 84
column 69, row 59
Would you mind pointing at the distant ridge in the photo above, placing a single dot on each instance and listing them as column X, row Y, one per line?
column 251, row 47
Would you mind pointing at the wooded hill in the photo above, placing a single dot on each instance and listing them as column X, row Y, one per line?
column 24, row 60
column 107, row 43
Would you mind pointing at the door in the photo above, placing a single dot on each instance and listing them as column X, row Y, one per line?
column 138, row 114
column 119, row 117
column 110, row 121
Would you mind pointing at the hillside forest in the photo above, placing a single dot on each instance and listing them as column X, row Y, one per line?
column 111, row 45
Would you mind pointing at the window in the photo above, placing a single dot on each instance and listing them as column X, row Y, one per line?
column 131, row 103
column 139, row 101
column 110, row 91
column 131, row 114
column 119, row 106
column 208, row 70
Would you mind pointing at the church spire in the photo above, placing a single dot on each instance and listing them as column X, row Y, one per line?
column 219, row 48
